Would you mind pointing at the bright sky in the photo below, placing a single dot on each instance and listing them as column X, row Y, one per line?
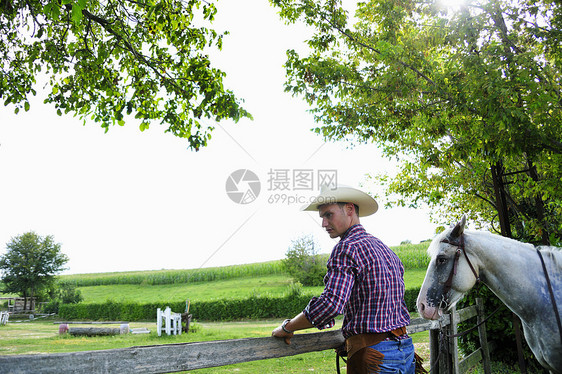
column 128, row 200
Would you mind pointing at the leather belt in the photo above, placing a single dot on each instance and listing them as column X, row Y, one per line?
column 357, row 342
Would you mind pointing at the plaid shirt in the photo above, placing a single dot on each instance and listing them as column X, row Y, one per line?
column 365, row 282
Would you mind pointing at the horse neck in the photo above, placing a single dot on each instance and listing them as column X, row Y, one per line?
column 505, row 266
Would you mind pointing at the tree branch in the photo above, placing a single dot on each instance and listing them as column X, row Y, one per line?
column 355, row 40
column 129, row 47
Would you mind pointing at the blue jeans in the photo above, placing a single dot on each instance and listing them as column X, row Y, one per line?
column 398, row 356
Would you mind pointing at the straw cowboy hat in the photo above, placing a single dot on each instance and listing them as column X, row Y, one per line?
column 341, row 194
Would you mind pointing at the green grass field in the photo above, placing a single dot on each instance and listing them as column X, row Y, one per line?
column 227, row 282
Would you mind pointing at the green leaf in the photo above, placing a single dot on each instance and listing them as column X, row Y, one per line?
column 48, row 8
column 55, row 10
column 76, row 14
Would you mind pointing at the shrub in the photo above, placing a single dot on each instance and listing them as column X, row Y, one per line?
column 253, row 307
column 51, row 307
column 410, row 297
column 68, row 294
column 303, row 262
column 62, row 293
column 294, row 289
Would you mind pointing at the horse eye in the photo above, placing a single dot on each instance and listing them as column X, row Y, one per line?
column 441, row 260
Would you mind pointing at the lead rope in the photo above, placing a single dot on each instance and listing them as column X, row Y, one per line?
column 556, row 314
column 442, row 348
column 340, row 352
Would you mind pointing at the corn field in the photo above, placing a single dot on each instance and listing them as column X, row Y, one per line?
column 413, row 256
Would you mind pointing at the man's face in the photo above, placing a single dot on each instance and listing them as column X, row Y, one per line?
column 336, row 219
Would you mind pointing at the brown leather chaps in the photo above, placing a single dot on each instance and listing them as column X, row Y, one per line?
column 361, row 359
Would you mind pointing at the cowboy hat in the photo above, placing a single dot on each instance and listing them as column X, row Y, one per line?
column 367, row 205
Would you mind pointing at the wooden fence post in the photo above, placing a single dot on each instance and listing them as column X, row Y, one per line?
column 483, row 336
column 434, row 353
column 159, row 321
column 453, row 341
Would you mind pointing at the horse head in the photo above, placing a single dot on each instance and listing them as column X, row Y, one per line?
column 450, row 273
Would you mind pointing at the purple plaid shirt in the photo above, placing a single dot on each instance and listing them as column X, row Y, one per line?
column 365, row 283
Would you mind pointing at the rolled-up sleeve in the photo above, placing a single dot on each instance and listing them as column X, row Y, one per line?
column 338, row 284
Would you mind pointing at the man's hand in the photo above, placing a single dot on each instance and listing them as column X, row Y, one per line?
column 279, row 333
column 300, row 322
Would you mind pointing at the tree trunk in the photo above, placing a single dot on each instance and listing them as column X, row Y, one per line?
column 501, row 202
column 539, row 205
column 25, row 300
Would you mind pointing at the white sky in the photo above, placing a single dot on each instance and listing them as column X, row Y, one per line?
column 128, row 200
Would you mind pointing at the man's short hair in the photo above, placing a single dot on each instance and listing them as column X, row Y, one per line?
column 355, row 205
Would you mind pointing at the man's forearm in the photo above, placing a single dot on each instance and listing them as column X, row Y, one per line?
column 286, row 330
column 300, row 322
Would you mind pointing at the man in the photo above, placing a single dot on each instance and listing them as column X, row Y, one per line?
column 365, row 283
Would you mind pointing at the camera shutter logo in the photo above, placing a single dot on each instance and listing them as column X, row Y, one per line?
column 243, row 186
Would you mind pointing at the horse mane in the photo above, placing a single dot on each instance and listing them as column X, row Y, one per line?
column 556, row 252
column 434, row 245
column 486, row 235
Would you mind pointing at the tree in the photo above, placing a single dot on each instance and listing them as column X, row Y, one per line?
column 468, row 101
column 107, row 60
column 30, row 264
column 303, row 262
column 463, row 99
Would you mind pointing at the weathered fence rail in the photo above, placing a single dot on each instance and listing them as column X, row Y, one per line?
column 170, row 358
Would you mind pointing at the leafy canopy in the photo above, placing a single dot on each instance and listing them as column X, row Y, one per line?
column 449, row 94
column 110, row 59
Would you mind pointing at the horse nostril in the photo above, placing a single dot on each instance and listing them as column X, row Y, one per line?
column 422, row 307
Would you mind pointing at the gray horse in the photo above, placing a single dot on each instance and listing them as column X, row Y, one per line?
column 511, row 269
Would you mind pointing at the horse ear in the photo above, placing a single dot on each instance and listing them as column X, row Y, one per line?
column 459, row 228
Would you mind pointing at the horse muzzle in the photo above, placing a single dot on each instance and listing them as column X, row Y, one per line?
column 429, row 310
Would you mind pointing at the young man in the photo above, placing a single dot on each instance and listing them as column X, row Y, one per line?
column 365, row 283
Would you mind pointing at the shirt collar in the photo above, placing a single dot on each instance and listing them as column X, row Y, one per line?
column 353, row 230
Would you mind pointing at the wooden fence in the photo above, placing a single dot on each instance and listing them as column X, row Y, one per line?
column 444, row 347
column 170, row 358
column 16, row 304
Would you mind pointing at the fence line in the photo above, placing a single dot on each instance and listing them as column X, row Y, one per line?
column 170, row 358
